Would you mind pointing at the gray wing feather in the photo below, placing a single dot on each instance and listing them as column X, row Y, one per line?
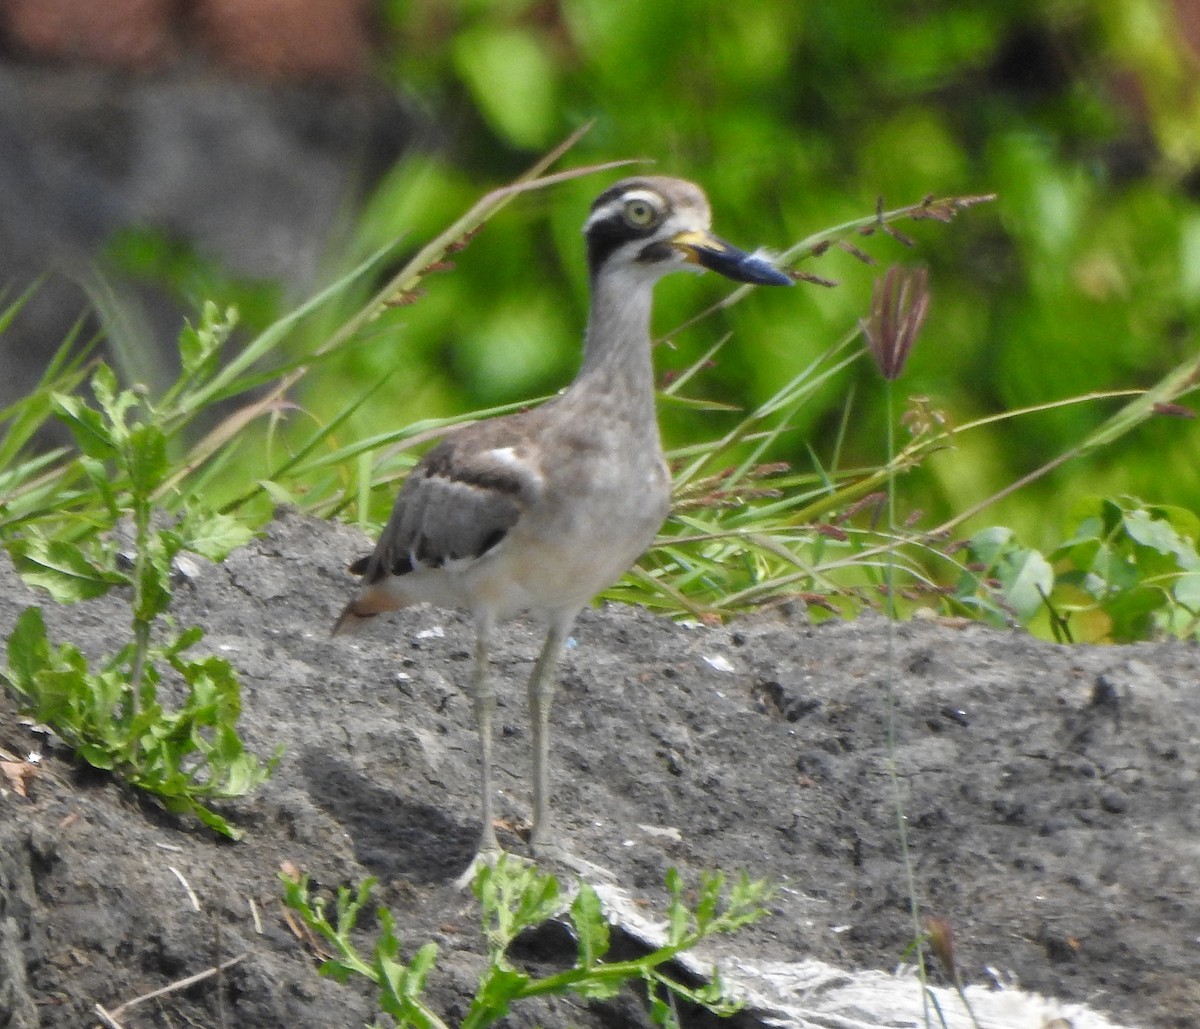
column 451, row 507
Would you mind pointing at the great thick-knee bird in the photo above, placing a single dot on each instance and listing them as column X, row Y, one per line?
column 539, row 511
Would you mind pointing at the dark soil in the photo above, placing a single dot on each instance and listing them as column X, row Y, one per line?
column 1051, row 795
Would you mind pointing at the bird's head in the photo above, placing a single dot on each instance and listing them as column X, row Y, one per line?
column 653, row 225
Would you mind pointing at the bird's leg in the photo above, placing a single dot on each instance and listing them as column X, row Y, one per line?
column 484, row 701
column 541, row 692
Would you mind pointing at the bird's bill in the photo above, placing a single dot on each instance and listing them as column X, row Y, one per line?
column 713, row 253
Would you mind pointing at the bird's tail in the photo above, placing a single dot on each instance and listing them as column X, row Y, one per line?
column 371, row 601
column 353, row 618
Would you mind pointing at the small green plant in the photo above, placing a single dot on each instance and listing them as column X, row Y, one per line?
column 1127, row 571
column 112, row 715
column 186, row 756
column 515, row 896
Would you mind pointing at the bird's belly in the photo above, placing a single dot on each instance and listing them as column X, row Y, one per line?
column 563, row 558
column 548, row 579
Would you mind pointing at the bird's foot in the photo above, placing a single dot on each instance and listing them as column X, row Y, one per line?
column 484, row 857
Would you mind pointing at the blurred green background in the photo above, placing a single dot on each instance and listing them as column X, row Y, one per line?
column 1082, row 115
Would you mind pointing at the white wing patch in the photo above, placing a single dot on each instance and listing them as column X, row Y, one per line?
column 502, row 455
column 507, row 457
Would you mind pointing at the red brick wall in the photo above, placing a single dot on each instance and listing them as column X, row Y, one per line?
column 277, row 39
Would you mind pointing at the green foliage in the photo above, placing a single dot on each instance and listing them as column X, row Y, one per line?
column 112, row 716
column 1024, row 577
column 514, row 896
column 792, row 116
column 1080, row 116
column 115, row 457
column 186, row 756
column 1127, row 571
column 745, row 531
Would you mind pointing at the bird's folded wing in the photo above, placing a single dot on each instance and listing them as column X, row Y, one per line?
column 456, row 505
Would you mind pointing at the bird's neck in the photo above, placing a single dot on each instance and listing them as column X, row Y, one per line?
column 616, row 350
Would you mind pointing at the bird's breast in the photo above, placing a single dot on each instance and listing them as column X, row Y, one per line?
column 594, row 517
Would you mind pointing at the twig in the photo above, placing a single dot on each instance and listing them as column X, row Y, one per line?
column 258, row 926
column 181, row 984
column 108, row 1019
column 192, row 896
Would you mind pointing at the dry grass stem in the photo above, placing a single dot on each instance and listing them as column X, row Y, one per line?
column 187, row 888
column 110, row 1017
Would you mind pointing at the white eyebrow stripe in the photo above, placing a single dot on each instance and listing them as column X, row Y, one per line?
column 648, row 195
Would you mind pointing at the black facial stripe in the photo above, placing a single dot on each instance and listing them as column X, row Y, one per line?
column 607, row 236
column 655, row 252
column 611, row 231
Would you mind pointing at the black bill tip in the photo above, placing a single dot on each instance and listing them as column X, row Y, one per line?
column 715, row 254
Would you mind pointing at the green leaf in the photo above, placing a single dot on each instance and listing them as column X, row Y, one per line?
column 746, row 902
column 113, row 403
column 1157, row 533
column 147, row 458
column 244, row 773
column 514, row 895
column 1187, row 591
column 1111, row 513
column 715, row 996
column 1081, row 552
column 107, row 696
column 538, row 900
column 393, row 978
column 280, row 495
column 188, row 806
column 186, row 639
column 597, row 989
column 988, row 544
column 338, row 971
column 96, row 756
column 512, row 885
column 498, row 988
column 100, row 477
column 1027, row 578
column 350, row 904
column 200, row 346
column 420, row 966
column 61, row 568
column 28, row 650
column 710, row 895
column 61, row 698
column 591, row 927
column 181, row 756
column 213, row 536
column 1185, row 522
column 1131, row 612
column 1087, row 530
column 87, row 426
column 678, row 916
column 662, row 1012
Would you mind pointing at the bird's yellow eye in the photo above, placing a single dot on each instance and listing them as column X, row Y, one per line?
column 640, row 213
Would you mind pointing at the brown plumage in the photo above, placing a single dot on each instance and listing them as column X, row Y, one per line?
column 539, row 511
